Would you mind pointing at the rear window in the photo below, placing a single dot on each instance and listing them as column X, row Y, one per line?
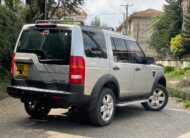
column 50, row 45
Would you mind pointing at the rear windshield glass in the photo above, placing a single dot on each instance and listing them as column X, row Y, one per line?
column 50, row 45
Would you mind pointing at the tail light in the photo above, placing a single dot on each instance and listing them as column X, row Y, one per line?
column 12, row 65
column 77, row 70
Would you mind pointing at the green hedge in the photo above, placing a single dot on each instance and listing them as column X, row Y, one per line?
column 10, row 26
column 168, row 69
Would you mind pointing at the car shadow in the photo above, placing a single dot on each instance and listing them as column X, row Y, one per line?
column 77, row 123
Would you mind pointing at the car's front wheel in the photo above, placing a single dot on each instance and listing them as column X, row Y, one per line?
column 36, row 109
column 103, row 113
column 157, row 100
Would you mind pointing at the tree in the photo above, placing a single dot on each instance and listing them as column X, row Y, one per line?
column 13, row 5
column 10, row 26
column 166, row 26
column 104, row 25
column 186, row 31
column 96, row 22
column 18, row 7
column 37, row 8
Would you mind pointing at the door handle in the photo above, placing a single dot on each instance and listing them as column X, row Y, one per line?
column 116, row 68
column 137, row 69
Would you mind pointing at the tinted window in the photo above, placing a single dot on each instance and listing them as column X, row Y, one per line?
column 94, row 44
column 120, row 51
column 120, row 45
column 52, row 46
column 137, row 54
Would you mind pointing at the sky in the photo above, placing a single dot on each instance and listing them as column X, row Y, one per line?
column 111, row 11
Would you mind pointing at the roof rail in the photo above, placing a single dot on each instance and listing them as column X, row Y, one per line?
column 58, row 21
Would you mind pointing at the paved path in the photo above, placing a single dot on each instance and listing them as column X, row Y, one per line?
column 130, row 122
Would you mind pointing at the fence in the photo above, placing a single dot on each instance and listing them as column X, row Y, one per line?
column 173, row 63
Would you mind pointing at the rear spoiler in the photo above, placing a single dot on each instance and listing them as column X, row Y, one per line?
column 54, row 22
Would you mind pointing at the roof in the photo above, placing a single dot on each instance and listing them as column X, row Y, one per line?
column 70, row 12
column 112, row 33
column 141, row 14
column 146, row 13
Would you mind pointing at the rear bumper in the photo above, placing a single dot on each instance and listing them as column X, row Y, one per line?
column 54, row 97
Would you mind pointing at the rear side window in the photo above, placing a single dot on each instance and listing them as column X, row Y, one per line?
column 94, row 44
column 50, row 45
column 120, row 51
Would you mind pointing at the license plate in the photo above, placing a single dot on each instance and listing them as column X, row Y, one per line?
column 22, row 70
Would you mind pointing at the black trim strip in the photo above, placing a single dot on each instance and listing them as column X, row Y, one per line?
column 78, row 88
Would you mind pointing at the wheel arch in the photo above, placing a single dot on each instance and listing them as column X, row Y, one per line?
column 106, row 81
column 160, row 79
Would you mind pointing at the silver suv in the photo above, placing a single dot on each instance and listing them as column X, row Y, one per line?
column 77, row 66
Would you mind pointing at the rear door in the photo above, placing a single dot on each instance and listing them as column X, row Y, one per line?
column 43, row 54
column 121, row 66
column 96, row 57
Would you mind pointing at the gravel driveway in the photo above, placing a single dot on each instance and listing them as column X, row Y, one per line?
column 130, row 122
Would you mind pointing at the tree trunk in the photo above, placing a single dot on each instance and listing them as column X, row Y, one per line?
column 39, row 13
column 42, row 9
column 30, row 15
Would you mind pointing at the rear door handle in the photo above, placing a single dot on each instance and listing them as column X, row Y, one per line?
column 137, row 69
column 24, row 60
column 116, row 68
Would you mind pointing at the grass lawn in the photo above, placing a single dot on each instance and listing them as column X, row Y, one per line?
column 176, row 90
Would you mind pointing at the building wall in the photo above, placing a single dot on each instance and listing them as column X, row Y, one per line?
column 138, row 28
column 174, row 63
column 185, row 5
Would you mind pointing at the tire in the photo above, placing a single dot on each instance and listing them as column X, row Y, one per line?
column 158, row 99
column 106, row 101
column 36, row 109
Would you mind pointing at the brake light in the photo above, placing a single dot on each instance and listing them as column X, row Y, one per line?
column 12, row 64
column 77, row 70
column 46, row 25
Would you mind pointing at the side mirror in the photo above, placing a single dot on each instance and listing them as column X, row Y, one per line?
column 150, row 60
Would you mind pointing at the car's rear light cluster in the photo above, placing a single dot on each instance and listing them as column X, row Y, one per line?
column 77, row 70
column 12, row 64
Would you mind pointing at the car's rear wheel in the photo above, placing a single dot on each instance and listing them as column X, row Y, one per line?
column 103, row 113
column 36, row 109
column 158, row 99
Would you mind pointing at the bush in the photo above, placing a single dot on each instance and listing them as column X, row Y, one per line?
column 179, row 72
column 187, row 104
column 177, row 47
column 184, row 83
column 186, row 69
column 168, row 69
column 4, row 81
column 10, row 26
column 187, row 72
